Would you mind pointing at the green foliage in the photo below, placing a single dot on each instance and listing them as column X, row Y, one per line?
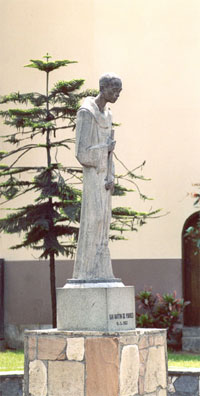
column 161, row 311
column 65, row 87
column 53, row 203
column 34, row 98
column 47, row 66
column 121, row 190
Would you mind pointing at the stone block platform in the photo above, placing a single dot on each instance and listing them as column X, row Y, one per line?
column 91, row 308
column 191, row 339
column 64, row 363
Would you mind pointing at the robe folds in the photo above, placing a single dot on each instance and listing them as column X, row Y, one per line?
column 92, row 134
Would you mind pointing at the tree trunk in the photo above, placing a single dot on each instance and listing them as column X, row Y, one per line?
column 53, row 288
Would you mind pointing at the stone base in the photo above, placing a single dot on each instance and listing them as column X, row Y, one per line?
column 183, row 381
column 64, row 363
column 2, row 344
column 191, row 339
column 96, row 307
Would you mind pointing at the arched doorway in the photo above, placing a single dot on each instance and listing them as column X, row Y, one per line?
column 191, row 271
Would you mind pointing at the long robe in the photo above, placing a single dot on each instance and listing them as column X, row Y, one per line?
column 92, row 133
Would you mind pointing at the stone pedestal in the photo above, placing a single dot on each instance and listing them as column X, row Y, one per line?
column 191, row 339
column 96, row 306
column 64, row 363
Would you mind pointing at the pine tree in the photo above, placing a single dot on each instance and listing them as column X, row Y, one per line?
column 51, row 222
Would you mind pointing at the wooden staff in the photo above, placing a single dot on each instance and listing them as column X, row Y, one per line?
column 110, row 161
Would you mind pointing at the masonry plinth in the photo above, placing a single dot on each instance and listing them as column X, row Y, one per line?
column 64, row 363
column 96, row 306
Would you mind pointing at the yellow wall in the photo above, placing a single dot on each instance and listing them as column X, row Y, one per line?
column 154, row 45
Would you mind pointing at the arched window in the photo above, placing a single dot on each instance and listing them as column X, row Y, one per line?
column 191, row 269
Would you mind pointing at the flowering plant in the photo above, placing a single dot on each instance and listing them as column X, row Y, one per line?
column 160, row 311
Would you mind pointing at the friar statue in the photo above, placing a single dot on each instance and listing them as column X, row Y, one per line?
column 94, row 147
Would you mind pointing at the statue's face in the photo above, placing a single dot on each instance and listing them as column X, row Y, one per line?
column 112, row 91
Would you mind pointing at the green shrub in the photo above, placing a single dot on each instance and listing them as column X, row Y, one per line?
column 161, row 311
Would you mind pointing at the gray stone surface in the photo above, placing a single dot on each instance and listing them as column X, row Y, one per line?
column 191, row 344
column 180, row 394
column 100, row 309
column 183, row 381
column 191, row 339
column 94, row 148
column 186, row 384
column 11, row 384
column 2, row 345
column 193, row 331
column 72, row 283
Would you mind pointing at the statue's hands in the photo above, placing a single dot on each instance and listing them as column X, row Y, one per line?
column 111, row 144
column 110, row 186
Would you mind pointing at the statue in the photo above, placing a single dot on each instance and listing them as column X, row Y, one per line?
column 94, row 300
column 94, row 148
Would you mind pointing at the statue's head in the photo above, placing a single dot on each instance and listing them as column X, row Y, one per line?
column 110, row 86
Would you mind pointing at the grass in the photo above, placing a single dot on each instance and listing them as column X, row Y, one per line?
column 14, row 360
column 180, row 359
column 11, row 360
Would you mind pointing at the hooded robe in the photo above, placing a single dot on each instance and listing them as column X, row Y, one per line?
column 92, row 134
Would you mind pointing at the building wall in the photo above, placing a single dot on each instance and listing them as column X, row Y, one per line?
column 155, row 47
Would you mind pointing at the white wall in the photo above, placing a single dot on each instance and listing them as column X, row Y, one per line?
column 154, row 46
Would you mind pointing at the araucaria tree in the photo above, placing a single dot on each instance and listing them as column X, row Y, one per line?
column 51, row 222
